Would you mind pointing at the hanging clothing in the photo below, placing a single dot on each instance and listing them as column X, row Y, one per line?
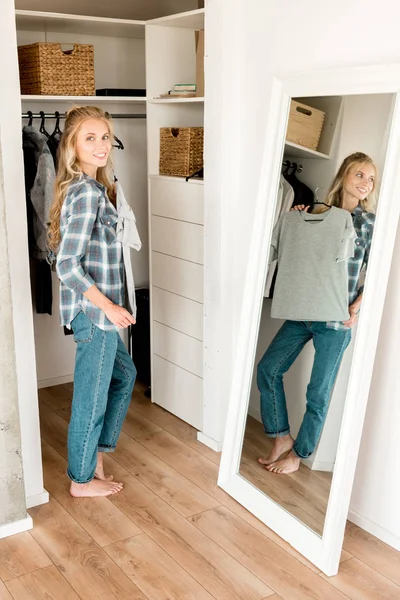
column 312, row 252
column 41, row 170
column 302, row 193
column 128, row 236
column 284, row 204
column 53, row 142
column 39, row 185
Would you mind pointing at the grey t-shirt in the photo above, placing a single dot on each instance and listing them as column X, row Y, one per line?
column 312, row 252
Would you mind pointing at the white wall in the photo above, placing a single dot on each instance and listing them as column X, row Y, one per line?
column 376, row 493
column 119, row 62
column 10, row 117
column 258, row 40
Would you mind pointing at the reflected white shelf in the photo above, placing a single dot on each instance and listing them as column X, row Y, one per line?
column 193, row 19
column 89, row 99
column 30, row 20
column 197, row 100
column 179, row 179
column 300, row 152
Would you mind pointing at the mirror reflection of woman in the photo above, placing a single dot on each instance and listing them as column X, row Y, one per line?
column 354, row 190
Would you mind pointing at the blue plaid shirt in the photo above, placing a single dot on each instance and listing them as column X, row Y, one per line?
column 364, row 227
column 89, row 252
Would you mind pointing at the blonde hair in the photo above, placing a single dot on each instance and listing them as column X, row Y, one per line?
column 335, row 193
column 69, row 169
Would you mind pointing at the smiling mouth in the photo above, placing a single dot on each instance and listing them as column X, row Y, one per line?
column 362, row 190
column 102, row 155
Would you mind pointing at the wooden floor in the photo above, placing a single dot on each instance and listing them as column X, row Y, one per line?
column 171, row 534
column 304, row 494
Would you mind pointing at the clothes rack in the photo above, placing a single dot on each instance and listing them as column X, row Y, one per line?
column 62, row 116
column 291, row 165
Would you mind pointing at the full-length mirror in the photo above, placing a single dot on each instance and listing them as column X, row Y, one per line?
column 319, row 258
column 324, row 222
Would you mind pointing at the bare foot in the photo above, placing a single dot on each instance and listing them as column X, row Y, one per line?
column 94, row 488
column 99, row 473
column 282, row 444
column 289, row 464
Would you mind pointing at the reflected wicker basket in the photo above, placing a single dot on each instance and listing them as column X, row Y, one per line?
column 181, row 150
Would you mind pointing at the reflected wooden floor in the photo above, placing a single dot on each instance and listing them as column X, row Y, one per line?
column 172, row 534
column 304, row 494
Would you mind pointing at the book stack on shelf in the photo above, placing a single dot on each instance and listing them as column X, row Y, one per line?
column 181, row 90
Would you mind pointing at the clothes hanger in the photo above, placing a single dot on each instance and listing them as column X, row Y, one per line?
column 30, row 115
column 119, row 145
column 57, row 130
column 42, row 127
column 317, row 201
column 320, row 201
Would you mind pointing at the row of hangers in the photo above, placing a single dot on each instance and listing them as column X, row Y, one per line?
column 57, row 131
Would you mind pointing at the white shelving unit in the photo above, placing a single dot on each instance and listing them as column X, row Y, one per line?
column 176, row 217
column 196, row 100
column 89, row 99
column 296, row 151
column 28, row 20
column 193, row 19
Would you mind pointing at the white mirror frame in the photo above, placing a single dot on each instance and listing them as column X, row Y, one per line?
column 323, row 551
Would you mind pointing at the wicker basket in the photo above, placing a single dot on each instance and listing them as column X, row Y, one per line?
column 181, row 150
column 305, row 125
column 46, row 70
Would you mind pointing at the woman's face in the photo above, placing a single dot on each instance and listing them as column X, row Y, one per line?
column 93, row 145
column 360, row 181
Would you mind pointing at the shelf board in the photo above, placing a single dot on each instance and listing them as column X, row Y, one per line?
column 30, row 20
column 193, row 19
column 88, row 99
column 178, row 179
column 176, row 100
column 300, row 152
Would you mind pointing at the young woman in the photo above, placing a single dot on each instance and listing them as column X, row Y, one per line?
column 82, row 233
column 353, row 189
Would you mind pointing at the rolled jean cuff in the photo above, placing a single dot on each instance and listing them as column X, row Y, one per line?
column 299, row 455
column 105, row 448
column 72, row 478
column 275, row 434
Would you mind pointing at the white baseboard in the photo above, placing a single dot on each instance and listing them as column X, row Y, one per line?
column 44, row 383
column 255, row 414
column 374, row 529
column 318, row 465
column 37, row 499
column 16, row 527
column 210, row 442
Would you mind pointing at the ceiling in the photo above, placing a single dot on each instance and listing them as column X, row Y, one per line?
column 122, row 9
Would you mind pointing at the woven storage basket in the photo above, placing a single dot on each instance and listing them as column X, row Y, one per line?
column 181, row 150
column 305, row 125
column 46, row 70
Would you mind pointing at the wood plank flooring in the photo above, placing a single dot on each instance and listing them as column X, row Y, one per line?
column 172, row 534
column 304, row 494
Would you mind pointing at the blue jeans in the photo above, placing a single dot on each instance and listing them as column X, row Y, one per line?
column 103, row 384
column 330, row 346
